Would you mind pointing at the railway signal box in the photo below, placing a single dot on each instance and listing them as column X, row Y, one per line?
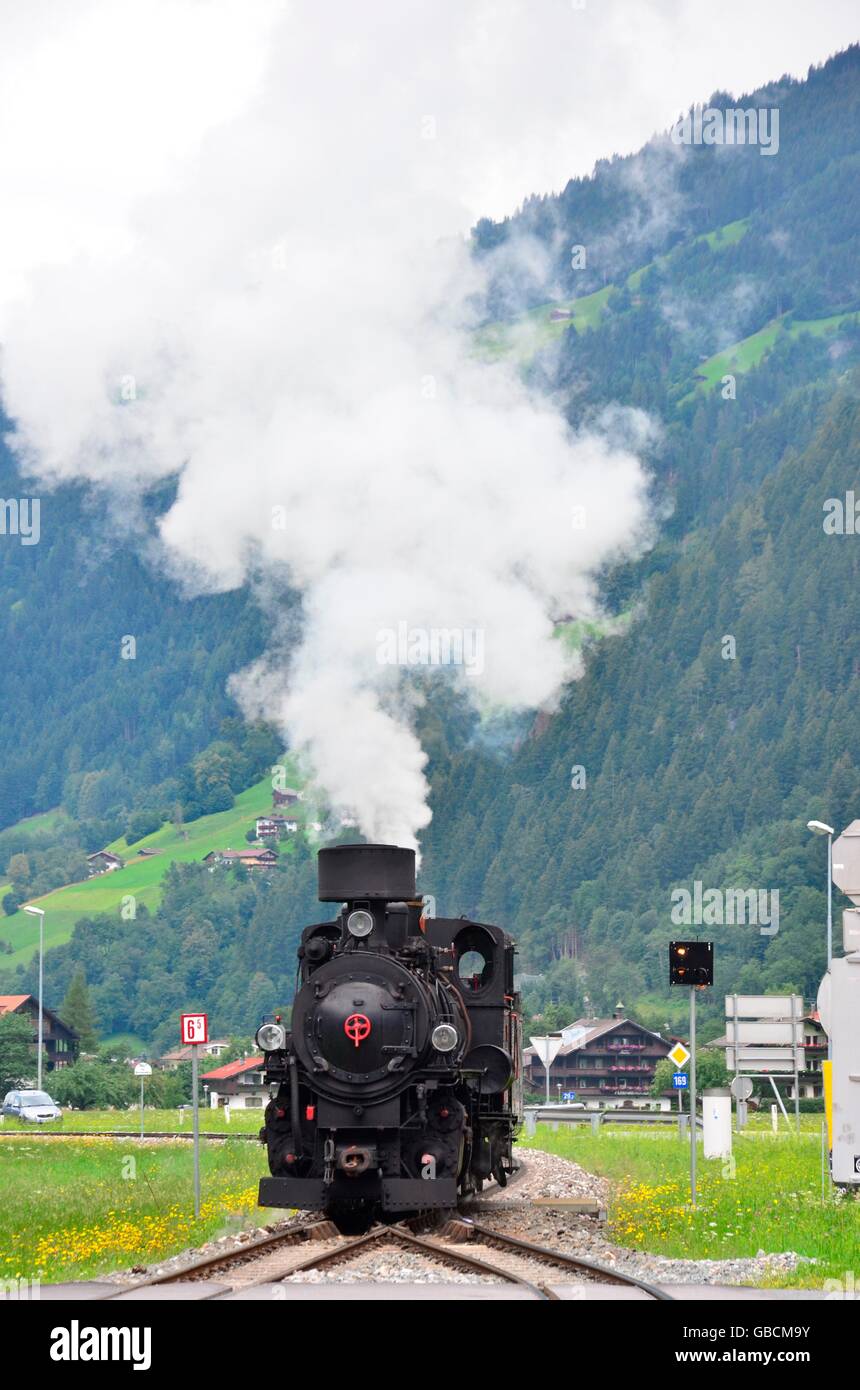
column 691, row 963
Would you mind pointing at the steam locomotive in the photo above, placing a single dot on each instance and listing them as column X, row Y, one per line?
column 398, row 1085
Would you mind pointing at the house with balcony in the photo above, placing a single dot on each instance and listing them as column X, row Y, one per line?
column 241, row 1085
column 600, row 1059
column 59, row 1041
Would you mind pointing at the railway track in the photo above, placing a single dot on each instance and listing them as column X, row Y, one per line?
column 456, row 1242
column 448, row 1239
column 457, row 1229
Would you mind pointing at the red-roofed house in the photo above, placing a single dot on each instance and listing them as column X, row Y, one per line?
column 240, row 1085
column 60, row 1042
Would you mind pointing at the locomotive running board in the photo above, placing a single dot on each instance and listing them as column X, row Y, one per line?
column 418, row 1194
column 398, row 1194
column 308, row 1193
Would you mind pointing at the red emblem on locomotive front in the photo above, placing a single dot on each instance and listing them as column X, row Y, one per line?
column 357, row 1028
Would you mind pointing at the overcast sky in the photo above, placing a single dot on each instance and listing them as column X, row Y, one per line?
column 99, row 99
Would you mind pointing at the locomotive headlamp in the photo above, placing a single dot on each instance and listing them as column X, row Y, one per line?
column 359, row 923
column 444, row 1037
column 271, row 1037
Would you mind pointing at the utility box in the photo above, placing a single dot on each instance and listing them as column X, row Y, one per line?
column 839, row 999
column 717, row 1122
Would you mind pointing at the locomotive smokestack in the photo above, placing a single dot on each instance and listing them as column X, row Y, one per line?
column 348, row 872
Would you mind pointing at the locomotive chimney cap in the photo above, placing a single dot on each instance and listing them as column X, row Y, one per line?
column 348, row 872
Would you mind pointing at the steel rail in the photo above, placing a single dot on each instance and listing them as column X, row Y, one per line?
column 542, row 1252
column 241, row 1255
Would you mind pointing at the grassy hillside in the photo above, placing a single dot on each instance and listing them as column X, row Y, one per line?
column 523, row 337
column 140, row 878
column 717, row 240
column 45, row 821
column 530, row 333
column 747, row 353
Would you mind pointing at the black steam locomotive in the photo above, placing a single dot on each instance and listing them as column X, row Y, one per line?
column 399, row 1081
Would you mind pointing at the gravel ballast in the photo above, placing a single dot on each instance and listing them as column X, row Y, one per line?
column 550, row 1176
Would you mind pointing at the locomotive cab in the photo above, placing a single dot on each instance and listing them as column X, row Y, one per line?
column 397, row 1086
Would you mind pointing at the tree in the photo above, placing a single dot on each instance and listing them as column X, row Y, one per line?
column 17, row 1053
column 140, row 824
column 76, row 1011
column 19, row 870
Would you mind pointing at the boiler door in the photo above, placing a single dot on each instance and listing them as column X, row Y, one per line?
column 359, row 1029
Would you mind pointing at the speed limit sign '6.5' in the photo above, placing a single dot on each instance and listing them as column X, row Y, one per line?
column 195, row 1028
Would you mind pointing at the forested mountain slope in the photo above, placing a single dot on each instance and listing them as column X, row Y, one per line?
column 703, row 758
column 72, row 702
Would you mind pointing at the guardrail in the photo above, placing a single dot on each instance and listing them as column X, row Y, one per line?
column 567, row 1115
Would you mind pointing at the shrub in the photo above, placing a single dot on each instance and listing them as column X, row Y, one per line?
column 94, row 1085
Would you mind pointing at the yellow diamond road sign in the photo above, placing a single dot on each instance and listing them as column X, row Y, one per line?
column 679, row 1055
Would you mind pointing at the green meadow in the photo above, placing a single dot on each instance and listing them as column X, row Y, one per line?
column 747, row 353
column 523, row 337
column 75, row 1208
column 154, row 1121
column 768, row 1198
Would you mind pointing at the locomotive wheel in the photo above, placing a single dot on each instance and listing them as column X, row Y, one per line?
column 501, row 1176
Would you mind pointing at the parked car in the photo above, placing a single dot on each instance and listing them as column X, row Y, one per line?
column 35, row 1106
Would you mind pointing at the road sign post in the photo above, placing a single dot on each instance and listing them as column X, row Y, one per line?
column 679, row 1056
column 766, row 1038
column 691, row 963
column 194, row 1030
column 693, row 1145
column 143, row 1070
column 546, row 1048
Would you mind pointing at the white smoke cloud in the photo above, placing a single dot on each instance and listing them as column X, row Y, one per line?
column 283, row 325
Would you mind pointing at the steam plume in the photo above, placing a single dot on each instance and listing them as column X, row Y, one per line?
column 285, row 327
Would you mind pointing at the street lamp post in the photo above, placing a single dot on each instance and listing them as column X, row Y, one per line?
column 40, row 913
column 818, row 827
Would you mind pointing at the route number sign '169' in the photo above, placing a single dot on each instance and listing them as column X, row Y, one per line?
column 195, row 1028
